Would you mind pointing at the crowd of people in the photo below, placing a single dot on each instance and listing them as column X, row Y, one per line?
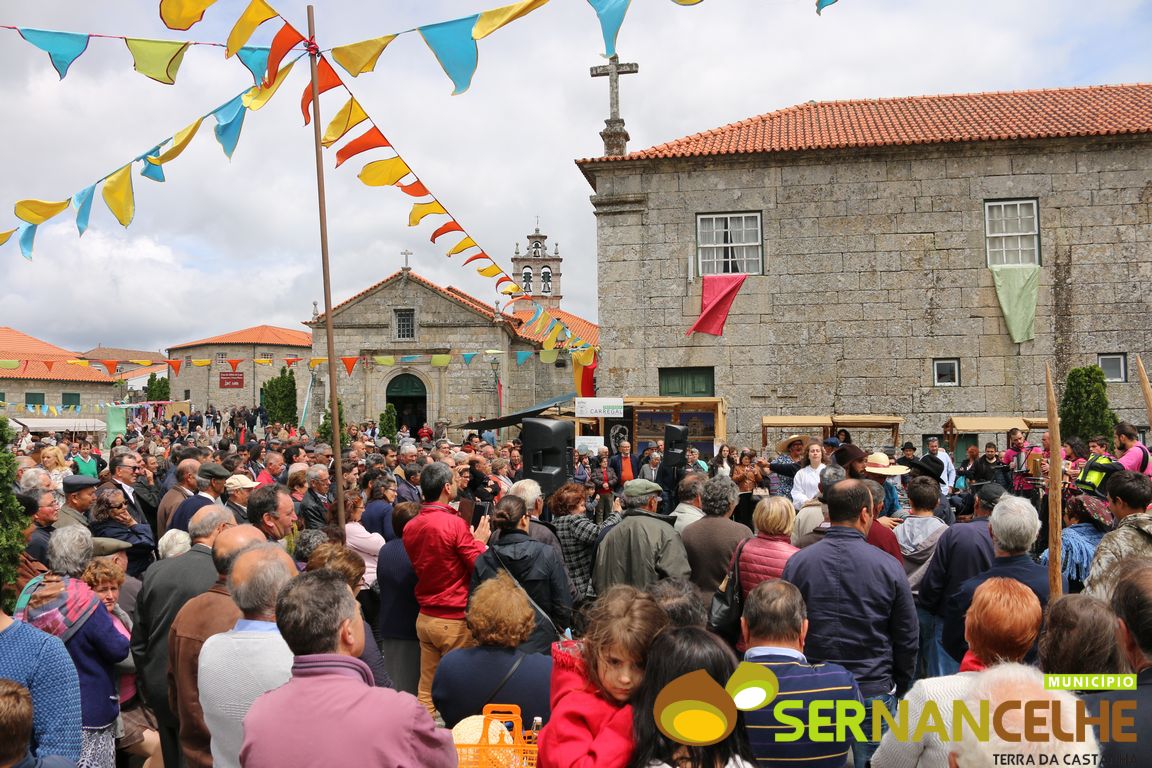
column 193, row 596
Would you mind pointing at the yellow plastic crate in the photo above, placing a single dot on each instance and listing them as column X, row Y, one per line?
column 519, row 751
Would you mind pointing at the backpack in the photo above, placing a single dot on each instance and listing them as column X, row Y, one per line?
column 1096, row 470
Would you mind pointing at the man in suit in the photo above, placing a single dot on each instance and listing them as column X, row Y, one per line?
column 625, row 469
column 168, row 585
column 125, row 468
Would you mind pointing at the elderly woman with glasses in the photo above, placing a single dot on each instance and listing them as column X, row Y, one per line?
column 111, row 519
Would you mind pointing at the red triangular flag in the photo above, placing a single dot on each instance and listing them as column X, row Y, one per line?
column 503, row 279
column 48, row 364
column 370, row 139
column 290, row 361
column 473, row 258
column 234, row 363
column 175, row 366
column 416, row 189
column 349, row 363
column 716, row 300
column 451, row 226
column 286, row 39
column 326, row 79
column 110, row 365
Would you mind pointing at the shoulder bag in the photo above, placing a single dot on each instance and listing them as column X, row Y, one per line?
column 728, row 602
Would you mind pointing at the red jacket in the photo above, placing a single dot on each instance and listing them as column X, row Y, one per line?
column 763, row 558
column 880, row 536
column 585, row 729
column 443, row 552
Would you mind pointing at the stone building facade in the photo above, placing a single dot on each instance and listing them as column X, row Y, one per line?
column 868, row 228
column 42, row 376
column 408, row 316
column 217, row 383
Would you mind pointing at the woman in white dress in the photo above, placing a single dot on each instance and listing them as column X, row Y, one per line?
column 807, row 482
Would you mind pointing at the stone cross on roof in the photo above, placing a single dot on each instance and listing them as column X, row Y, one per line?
column 614, row 135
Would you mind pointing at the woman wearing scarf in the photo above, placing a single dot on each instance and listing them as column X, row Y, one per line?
column 62, row 604
column 1086, row 520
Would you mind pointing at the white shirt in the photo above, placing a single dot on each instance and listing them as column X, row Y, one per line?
column 806, row 485
column 949, row 471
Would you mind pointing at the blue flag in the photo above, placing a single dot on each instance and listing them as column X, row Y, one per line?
column 62, row 47
column 455, row 49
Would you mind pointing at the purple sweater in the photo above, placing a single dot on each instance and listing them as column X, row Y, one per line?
column 330, row 714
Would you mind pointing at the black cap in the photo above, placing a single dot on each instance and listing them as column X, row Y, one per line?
column 74, row 483
column 990, row 494
column 908, row 446
column 214, row 472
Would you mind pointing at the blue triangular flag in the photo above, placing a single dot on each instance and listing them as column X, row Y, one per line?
column 455, row 49
column 522, row 357
column 229, row 122
column 468, row 356
column 151, row 170
column 611, row 14
column 409, row 358
column 62, row 47
column 27, row 235
column 256, row 59
column 82, row 202
column 822, row 4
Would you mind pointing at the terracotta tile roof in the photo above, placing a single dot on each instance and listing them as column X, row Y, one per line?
column 118, row 353
column 581, row 328
column 43, row 361
column 142, row 372
column 1102, row 110
column 260, row 335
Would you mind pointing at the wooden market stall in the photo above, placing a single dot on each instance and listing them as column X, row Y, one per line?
column 787, row 425
column 973, row 425
column 890, row 423
column 829, row 424
column 644, row 420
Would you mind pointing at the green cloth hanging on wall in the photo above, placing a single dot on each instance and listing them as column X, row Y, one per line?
column 1017, row 289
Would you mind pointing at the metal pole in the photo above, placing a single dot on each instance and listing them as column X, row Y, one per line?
column 1055, row 492
column 334, row 401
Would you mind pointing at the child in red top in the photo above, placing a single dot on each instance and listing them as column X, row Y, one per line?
column 593, row 679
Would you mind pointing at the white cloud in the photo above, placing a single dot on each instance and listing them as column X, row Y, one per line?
column 223, row 245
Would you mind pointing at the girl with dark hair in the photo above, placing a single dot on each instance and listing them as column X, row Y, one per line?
column 844, row 436
column 1072, row 642
column 722, row 462
column 677, row 651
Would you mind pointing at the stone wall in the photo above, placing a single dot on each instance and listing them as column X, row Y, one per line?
column 202, row 385
column 12, row 391
column 875, row 264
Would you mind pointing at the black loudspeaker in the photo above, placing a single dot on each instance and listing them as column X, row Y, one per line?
column 675, row 446
column 547, row 452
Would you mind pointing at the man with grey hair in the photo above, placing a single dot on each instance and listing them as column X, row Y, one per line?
column 34, row 478
column 210, row 481
column 644, row 547
column 688, row 494
column 200, row 618
column 252, row 658
column 533, row 496
column 23, row 464
column 184, row 487
column 320, row 621
column 406, row 456
column 168, row 585
column 711, row 541
column 1014, row 527
column 315, row 506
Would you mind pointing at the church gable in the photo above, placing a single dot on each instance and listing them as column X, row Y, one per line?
column 404, row 295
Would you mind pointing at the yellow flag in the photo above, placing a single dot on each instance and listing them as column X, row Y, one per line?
column 254, row 15
column 258, row 97
column 492, row 270
column 461, row 246
column 157, row 59
column 420, row 210
column 510, row 289
column 182, row 14
column 82, row 363
column 549, row 355
column 118, row 196
column 440, row 361
column 262, row 361
column 141, row 362
column 550, row 339
column 542, row 323
column 349, row 116
column 361, row 57
column 385, row 359
column 202, row 363
column 5, row 235
column 317, row 361
column 492, row 20
column 39, row 211
column 384, row 173
column 180, row 142
column 584, row 357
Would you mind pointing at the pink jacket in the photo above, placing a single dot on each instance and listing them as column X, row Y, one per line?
column 763, row 558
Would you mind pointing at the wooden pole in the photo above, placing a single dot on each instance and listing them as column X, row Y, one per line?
column 1145, row 387
column 1055, row 493
column 333, row 397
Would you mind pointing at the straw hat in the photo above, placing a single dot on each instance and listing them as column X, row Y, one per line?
column 782, row 446
column 880, row 464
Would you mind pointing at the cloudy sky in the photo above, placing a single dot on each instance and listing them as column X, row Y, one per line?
column 225, row 245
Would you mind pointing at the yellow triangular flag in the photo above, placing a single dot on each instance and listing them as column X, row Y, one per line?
column 118, row 196
column 385, row 359
column 5, row 235
column 490, row 21
column 254, row 15
column 549, row 355
column 317, row 361
column 510, row 289
column 384, row 173
column 39, row 211
column 361, row 57
column 491, row 270
column 542, row 322
column 550, row 339
column 584, row 357
column 440, row 361
column 349, row 116
column 182, row 14
column 180, row 142
column 141, row 362
column 83, row 363
column 461, row 246
column 262, row 361
column 420, row 210
column 258, row 97
column 157, row 59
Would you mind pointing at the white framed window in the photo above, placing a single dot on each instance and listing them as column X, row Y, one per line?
column 221, row 359
column 1115, row 366
column 946, row 372
column 405, row 324
column 728, row 243
column 1012, row 233
column 188, row 360
column 545, row 280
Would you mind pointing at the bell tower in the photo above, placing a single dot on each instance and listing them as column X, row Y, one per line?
column 539, row 272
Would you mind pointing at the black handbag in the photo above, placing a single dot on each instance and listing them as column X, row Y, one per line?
column 728, row 602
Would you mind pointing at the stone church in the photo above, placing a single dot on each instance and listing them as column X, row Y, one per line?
column 877, row 237
column 406, row 319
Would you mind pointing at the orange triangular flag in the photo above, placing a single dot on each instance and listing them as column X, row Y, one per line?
column 370, row 139
column 175, row 366
column 110, row 365
column 480, row 255
column 326, row 80
column 234, row 363
column 416, row 189
column 286, row 39
column 451, row 226
column 349, row 363
column 48, row 364
column 292, row 360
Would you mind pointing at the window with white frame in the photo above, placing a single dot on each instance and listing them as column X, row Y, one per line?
column 1115, row 366
column 1012, row 233
column 728, row 243
column 405, row 324
column 946, row 372
column 221, row 359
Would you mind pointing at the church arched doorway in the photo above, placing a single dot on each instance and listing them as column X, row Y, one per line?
column 408, row 395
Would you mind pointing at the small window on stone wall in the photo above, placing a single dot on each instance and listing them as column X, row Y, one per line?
column 1115, row 366
column 946, row 372
column 405, row 324
column 1012, row 233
